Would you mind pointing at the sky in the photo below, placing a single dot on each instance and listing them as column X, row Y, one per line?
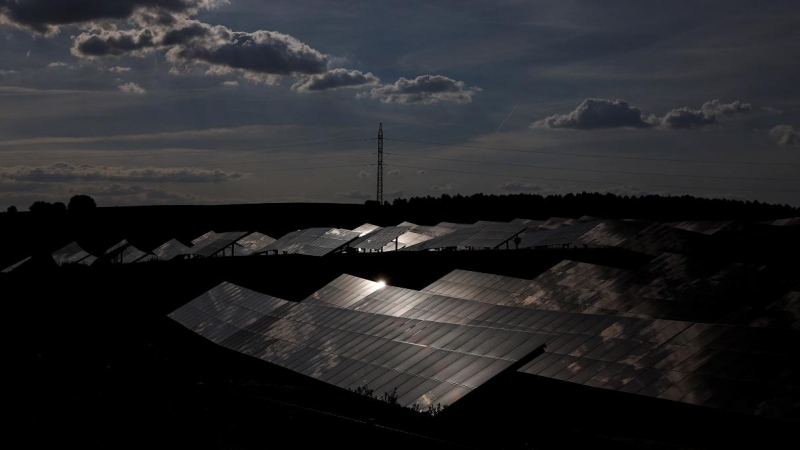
column 138, row 102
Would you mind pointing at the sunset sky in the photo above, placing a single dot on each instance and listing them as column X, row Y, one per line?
column 212, row 101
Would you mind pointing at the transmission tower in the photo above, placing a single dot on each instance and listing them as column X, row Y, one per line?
column 380, row 165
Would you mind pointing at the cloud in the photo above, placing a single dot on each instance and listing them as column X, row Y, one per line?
column 117, row 69
column 64, row 172
column 59, row 65
column 786, row 135
column 353, row 195
column 421, row 172
column 7, row 72
column 136, row 194
column 46, row 17
column 519, row 186
column 687, row 118
column 598, row 113
column 444, row 187
column 102, row 42
column 425, row 90
column 595, row 113
column 394, row 194
column 335, row 79
column 132, row 88
column 232, row 83
column 394, row 172
column 252, row 54
column 714, row 107
column 362, row 175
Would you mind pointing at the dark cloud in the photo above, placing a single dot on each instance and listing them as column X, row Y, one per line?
column 135, row 194
column 46, row 16
column 395, row 194
column 425, row 89
column 353, row 195
column 335, row 79
column 520, row 186
column 257, row 53
column 786, row 135
column 444, row 187
column 64, row 172
column 687, row 118
column 598, row 113
column 99, row 43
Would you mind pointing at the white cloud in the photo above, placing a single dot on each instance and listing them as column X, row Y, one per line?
column 424, row 90
column 786, row 135
column 132, row 88
column 335, row 79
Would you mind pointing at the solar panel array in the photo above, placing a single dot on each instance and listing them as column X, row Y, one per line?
column 313, row 241
column 739, row 368
column 170, row 249
column 252, row 244
column 379, row 238
column 72, row 253
column 425, row 361
column 216, row 243
column 117, row 247
column 16, row 265
column 132, row 254
column 490, row 235
column 365, row 229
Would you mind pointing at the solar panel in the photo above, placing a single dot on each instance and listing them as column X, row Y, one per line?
column 117, row 247
column 562, row 236
column 217, row 243
column 202, row 238
column 71, row 253
column 132, row 254
column 476, row 236
column 170, row 249
column 424, row 362
column 705, row 227
column 252, row 244
column 366, row 229
column 650, row 357
column 379, row 238
column 313, row 241
column 16, row 265
column 331, row 241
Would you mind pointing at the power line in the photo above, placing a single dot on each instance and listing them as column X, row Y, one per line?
column 588, row 155
column 593, row 182
column 588, row 170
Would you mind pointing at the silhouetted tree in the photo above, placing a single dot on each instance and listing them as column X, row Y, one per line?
column 80, row 203
column 59, row 207
column 11, row 209
column 40, row 207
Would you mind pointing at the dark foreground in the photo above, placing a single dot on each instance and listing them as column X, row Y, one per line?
column 102, row 366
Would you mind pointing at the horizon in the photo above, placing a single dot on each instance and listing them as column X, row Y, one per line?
column 238, row 102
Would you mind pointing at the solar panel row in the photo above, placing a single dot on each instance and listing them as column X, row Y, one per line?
column 424, row 362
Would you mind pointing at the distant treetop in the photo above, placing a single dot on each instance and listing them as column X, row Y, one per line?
column 79, row 203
